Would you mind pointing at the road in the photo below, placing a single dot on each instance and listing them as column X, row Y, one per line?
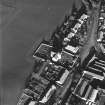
column 92, row 33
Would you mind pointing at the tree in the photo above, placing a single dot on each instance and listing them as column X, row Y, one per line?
column 74, row 9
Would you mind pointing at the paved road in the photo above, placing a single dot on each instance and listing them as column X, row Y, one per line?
column 25, row 22
column 92, row 33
